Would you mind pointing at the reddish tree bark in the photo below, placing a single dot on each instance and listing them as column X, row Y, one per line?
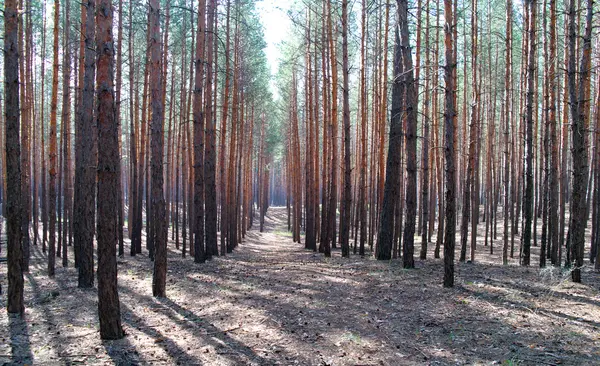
column 108, row 176
column 159, row 226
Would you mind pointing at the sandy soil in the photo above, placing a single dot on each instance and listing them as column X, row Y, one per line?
column 274, row 303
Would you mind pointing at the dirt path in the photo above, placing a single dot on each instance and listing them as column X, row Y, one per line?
column 273, row 303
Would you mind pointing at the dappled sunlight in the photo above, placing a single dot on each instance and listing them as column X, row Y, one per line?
column 273, row 302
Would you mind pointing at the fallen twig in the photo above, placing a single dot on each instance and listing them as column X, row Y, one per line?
column 225, row 330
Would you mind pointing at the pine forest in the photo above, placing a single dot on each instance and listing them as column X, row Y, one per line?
column 300, row 182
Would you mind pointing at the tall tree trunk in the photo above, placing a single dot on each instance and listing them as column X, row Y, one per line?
column 347, row 200
column 438, row 162
column 362, row 206
column 235, row 105
column 25, row 143
column 529, row 184
column 199, row 137
column 158, row 223
column 44, row 192
column 119, row 80
column 553, row 182
column 408, row 241
column 108, row 175
column 579, row 107
column 223, row 139
column 507, row 125
column 310, row 238
column 391, row 194
column 596, row 222
column 85, row 172
column 425, row 149
column 133, row 142
column 52, row 195
column 66, row 129
column 210, row 188
column 35, row 151
column 450, row 152
column 324, row 170
column 332, row 205
column 15, row 302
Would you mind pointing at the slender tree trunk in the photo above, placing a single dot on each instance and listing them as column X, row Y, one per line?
column 450, row 153
column 596, row 222
column 361, row 204
column 26, row 121
column 411, row 138
column 119, row 80
column 35, row 152
column 159, row 226
column 52, row 195
column 347, row 200
column 223, row 135
column 332, row 205
column 438, row 163
column 199, row 137
column 553, row 182
column 210, row 188
column 142, row 176
column 66, row 128
column 326, row 97
column 425, row 149
column 310, row 238
column 133, row 142
column 44, row 192
column 507, row 123
column 528, row 193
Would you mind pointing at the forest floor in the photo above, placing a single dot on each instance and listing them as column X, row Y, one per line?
column 273, row 303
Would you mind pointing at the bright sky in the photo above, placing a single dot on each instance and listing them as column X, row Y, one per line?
column 273, row 14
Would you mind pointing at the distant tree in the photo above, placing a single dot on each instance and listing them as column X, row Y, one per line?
column 53, row 150
column 26, row 122
column 210, row 156
column 347, row 195
column 66, row 140
column 529, row 173
column 507, row 124
column 198, row 116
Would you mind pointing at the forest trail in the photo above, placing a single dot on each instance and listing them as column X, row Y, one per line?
column 273, row 303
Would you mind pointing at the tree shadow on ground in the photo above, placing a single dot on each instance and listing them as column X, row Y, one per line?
column 20, row 342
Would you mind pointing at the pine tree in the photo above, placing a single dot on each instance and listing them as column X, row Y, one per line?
column 159, row 226
column 85, row 164
column 108, row 176
column 15, row 302
column 450, row 152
